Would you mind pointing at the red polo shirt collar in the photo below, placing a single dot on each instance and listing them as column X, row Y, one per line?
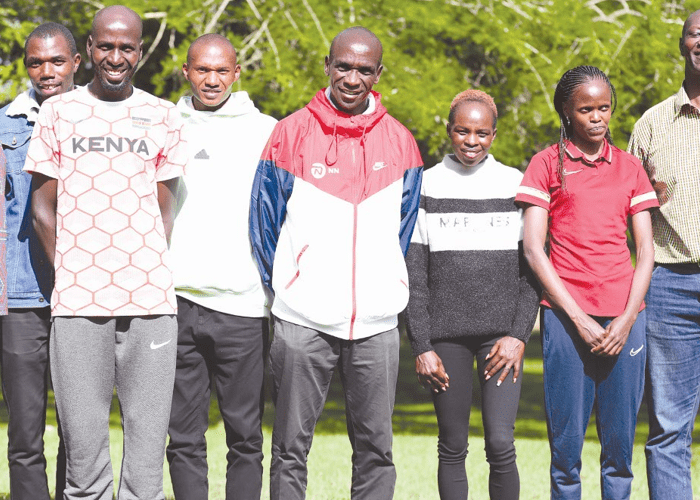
column 575, row 153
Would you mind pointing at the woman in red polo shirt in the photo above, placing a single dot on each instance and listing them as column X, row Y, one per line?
column 580, row 192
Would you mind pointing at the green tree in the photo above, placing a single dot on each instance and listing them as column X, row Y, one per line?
column 516, row 50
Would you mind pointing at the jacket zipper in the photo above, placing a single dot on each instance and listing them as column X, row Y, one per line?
column 354, row 246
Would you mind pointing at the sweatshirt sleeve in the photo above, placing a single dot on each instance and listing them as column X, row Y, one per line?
column 272, row 188
column 417, row 262
column 528, row 299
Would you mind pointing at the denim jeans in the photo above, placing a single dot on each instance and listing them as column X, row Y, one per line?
column 576, row 381
column 673, row 378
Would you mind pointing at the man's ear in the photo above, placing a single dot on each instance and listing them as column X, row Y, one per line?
column 327, row 66
column 379, row 73
column 76, row 62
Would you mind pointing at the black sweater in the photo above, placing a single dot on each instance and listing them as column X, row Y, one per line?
column 467, row 273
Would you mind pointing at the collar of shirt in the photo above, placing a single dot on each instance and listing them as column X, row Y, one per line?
column 24, row 104
column 576, row 154
column 370, row 97
column 682, row 103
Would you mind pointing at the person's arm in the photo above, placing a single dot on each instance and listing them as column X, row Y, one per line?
column 509, row 351
column 429, row 368
column 272, row 188
column 169, row 200
column 410, row 198
column 534, row 238
column 618, row 330
column 44, row 197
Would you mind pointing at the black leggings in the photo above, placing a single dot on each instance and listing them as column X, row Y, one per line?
column 499, row 409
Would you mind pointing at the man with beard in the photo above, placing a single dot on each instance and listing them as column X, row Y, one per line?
column 665, row 140
column 52, row 59
column 333, row 207
column 106, row 161
column 222, row 307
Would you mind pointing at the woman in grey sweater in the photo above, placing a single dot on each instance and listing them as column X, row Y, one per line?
column 472, row 297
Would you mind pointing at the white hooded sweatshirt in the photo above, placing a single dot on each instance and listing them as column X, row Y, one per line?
column 210, row 248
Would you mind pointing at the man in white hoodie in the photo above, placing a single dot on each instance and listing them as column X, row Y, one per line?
column 222, row 306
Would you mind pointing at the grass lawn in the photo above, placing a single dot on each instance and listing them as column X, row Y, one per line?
column 415, row 444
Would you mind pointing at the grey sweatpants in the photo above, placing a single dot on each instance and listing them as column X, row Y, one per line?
column 89, row 357
column 302, row 362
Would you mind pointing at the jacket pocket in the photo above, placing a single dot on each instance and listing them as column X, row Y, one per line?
column 15, row 145
column 296, row 275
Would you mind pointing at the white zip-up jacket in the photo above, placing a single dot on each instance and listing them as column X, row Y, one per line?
column 333, row 207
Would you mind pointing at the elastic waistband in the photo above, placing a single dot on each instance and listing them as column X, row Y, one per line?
column 686, row 268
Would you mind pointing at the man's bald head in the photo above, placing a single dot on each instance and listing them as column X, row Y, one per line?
column 356, row 34
column 692, row 18
column 114, row 13
column 211, row 39
column 688, row 45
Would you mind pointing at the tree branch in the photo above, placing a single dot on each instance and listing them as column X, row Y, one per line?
column 316, row 22
column 212, row 22
column 159, row 35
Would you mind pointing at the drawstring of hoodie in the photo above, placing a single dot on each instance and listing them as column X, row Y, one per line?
column 364, row 159
column 334, row 142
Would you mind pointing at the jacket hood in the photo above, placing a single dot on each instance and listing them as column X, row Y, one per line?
column 339, row 124
column 239, row 103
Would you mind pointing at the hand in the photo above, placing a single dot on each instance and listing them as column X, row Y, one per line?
column 660, row 188
column 616, row 335
column 506, row 353
column 590, row 331
column 431, row 373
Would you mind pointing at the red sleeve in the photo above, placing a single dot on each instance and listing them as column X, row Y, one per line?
column 643, row 195
column 535, row 186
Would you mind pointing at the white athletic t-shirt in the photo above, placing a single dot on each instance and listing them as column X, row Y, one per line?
column 111, row 253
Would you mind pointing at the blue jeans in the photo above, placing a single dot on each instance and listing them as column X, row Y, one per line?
column 673, row 378
column 576, row 381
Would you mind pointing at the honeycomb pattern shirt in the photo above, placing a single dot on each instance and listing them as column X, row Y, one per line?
column 111, row 251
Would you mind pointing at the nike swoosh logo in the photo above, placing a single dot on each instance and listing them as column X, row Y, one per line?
column 157, row 346
column 566, row 172
column 634, row 352
column 378, row 166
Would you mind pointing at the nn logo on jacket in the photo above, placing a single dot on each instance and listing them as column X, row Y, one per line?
column 109, row 145
column 319, row 170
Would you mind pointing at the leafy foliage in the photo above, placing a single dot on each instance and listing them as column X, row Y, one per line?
column 514, row 49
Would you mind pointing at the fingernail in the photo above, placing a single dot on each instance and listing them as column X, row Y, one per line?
column 487, row 377
column 515, row 379
column 498, row 384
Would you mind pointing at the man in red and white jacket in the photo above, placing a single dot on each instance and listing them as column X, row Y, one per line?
column 334, row 202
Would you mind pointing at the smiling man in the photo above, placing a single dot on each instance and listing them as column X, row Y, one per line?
column 106, row 160
column 665, row 140
column 222, row 307
column 51, row 59
column 333, row 207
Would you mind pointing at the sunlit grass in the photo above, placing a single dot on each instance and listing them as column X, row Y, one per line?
column 415, row 445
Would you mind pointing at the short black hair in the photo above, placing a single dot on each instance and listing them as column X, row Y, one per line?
column 50, row 30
